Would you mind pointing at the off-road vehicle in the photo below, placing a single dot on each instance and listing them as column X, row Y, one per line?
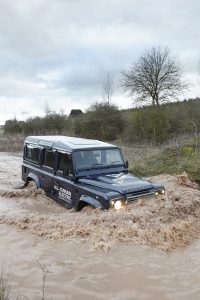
column 79, row 172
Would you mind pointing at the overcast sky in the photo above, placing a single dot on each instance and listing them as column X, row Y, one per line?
column 58, row 52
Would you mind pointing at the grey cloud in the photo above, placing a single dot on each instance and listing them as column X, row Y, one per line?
column 64, row 48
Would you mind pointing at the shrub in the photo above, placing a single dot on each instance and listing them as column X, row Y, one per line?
column 101, row 121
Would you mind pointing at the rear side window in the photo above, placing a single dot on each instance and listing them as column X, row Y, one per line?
column 49, row 158
column 32, row 153
column 64, row 161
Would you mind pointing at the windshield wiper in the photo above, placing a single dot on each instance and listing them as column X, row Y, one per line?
column 90, row 168
column 115, row 161
column 100, row 166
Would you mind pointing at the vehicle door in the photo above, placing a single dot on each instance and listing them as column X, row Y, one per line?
column 46, row 175
column 63, row 183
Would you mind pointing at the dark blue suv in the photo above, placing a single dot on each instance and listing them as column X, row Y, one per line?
column 79, row 172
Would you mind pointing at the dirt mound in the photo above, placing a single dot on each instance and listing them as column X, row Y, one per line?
column 184, row 180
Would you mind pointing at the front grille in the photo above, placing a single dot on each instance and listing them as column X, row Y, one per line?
column 139, row 194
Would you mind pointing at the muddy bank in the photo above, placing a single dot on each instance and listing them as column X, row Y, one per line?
column 165, row 222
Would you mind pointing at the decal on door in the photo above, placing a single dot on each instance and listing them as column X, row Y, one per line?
column 63, row 194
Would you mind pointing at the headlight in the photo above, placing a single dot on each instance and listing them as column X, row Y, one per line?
column 118, row 204
column 160, row 192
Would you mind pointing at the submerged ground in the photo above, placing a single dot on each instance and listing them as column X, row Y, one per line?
column 101, row 254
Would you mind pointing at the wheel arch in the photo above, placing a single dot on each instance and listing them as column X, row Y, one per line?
column 33, row 177
column 87, row 200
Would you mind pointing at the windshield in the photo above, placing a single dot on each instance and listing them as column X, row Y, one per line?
column 99, row 158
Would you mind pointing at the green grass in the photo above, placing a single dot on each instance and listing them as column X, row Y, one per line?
column 165, row 159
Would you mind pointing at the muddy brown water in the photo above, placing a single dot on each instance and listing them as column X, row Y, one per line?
column 150, row 250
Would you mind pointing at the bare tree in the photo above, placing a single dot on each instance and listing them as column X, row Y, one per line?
column 47, row 109
column 45, row 270
column 155, row 77
column 108, row 88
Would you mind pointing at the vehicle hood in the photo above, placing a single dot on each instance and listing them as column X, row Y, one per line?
column 122, row 183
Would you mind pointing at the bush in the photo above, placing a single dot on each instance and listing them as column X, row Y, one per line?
column 51, row 123
column 162, row 123
column 101, row 121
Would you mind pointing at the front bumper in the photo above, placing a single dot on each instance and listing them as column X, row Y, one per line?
column 120, row 202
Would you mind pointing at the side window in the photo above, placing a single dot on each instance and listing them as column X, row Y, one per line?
column 49, row 158
column 65, row 163
column 32, row 153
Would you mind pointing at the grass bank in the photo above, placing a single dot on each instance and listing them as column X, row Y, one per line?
column 171, row 158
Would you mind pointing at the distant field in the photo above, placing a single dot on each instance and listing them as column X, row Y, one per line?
column 11, row 144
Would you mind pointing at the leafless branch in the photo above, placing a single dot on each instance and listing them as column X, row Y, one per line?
column 155, row 77
column 45, row 271
column 108, row 88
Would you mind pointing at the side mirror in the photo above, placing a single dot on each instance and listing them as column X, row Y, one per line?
column 126, row 164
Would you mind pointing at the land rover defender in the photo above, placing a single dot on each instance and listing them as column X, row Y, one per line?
column 78, row 172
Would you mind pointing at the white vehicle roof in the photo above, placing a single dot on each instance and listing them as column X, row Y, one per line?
column 67, row 143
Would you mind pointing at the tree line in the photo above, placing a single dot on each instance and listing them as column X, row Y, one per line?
column 106, row 122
